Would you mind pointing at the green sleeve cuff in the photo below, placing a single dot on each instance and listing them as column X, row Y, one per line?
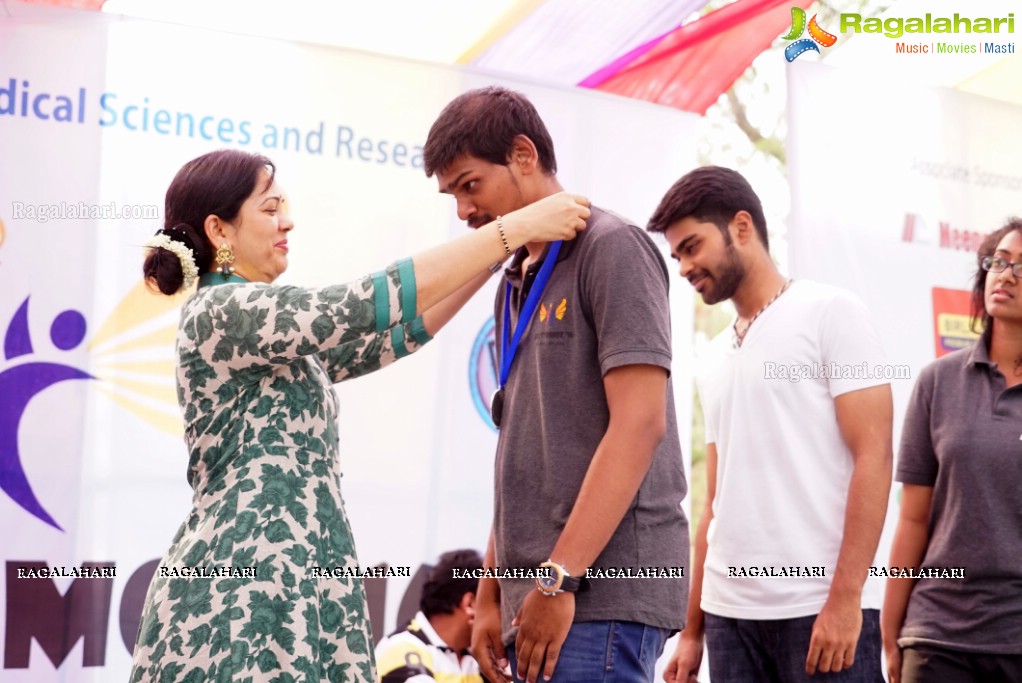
column 406, row 275
column 381, row 299
column 419, row 333
column 398, row 340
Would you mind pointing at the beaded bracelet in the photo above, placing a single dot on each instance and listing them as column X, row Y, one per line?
column 503, row 237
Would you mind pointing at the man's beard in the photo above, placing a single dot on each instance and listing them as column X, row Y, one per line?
column 728, row 278
column 481, row 219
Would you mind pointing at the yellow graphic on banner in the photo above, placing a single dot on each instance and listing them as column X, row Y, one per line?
column 954, row 331
column 133, row 355
column 952, row 328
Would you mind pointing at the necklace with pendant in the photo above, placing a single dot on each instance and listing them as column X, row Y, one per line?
column 740, row 336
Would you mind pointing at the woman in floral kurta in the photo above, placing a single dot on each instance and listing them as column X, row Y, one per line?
column 255, row 365
column 237, row 597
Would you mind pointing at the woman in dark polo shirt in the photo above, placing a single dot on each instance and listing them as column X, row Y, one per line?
column 960, row 464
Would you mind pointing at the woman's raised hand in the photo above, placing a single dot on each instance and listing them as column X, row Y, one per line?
column 557, row 217
column 442, row 270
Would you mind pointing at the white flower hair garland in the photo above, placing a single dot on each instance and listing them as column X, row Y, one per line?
column 183, row 253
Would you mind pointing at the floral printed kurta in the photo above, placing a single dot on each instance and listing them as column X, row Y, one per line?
column 255, row 368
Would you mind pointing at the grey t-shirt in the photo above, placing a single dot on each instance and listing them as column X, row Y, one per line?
column 963, row 437
column 605, row 306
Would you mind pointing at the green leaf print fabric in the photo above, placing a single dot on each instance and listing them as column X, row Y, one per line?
column 233, row 599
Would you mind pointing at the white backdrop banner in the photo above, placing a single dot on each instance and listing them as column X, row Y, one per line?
column 893, row 188
column 97, row 113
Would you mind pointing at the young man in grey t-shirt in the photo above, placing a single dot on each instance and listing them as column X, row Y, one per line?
column 588, row 470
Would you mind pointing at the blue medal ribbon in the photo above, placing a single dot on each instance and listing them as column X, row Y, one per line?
column 509, row 343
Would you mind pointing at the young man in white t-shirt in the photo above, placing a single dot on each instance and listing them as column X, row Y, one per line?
column 798, row 455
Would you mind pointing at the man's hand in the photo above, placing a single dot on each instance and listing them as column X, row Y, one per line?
column 487, row 647
column 684, row 664
column 543, row 623
column 835, row 635
column 893, row 654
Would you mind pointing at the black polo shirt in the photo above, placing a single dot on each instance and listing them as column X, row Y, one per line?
column 963, row 437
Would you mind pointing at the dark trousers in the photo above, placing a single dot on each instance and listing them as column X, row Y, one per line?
column 775, row 651
column 928, row 663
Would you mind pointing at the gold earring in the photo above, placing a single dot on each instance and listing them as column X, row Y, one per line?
column 224, row 258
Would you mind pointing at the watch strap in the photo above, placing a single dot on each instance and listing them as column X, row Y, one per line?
column 571, row 584
column 568, row 583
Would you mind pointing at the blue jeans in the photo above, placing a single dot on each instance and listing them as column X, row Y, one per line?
column 775, row 650
column 605, row 652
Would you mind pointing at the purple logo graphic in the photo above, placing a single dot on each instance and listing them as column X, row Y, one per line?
column 19, row 385
column 482, row 371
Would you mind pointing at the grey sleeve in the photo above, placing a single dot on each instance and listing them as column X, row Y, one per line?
column 624, row 282
column 917, row 459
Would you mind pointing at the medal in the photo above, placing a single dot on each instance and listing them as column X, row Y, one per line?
column 508, row 342
column 497, row 407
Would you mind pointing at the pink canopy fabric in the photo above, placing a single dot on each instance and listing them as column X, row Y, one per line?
column 563, row 41
column 690, row 67
column 76, row 4
column 655, row 50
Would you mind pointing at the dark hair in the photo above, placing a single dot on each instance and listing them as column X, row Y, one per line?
column 713, row 194
column 483, row 123
column 217, row 184
column 442, row 592
column 987, row 248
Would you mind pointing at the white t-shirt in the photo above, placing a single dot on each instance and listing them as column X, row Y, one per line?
column 419, row 655
column 783, row 469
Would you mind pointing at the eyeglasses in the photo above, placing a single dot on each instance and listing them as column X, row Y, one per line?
column 999, row 265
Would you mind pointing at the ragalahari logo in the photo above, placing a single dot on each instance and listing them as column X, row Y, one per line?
column 798, row 26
